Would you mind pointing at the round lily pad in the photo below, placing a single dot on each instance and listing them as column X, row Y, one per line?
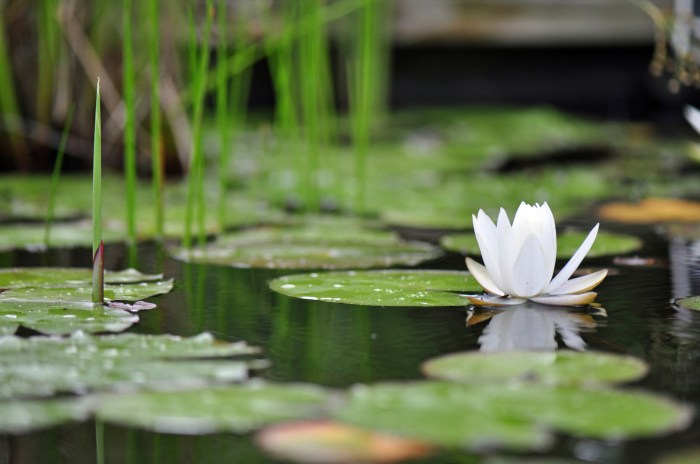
column 238, row 408
column 40, row 366
column 313, row 247
column 327, row 442
column 59, row 300
column 380, row 288
column 521, row 416
column 651, row 210
column 552, row 368
column 691, row 303
column 606, row 243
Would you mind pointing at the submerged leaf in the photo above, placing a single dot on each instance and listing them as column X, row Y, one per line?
column 552, row 368
column 380, row 288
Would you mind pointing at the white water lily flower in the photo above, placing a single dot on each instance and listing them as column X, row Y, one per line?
column 519, row 261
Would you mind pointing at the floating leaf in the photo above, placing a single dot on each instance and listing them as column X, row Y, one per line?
column 327, row 442
column 607, row 243
column 325, row 247
column 380, row 288
column 41, row 366
column 30, row 236
column 691, row 303
column 27, row 416
column 519, row 416
column 652, row 210
column 59, row 300
column 237, row 408
column 552, row 368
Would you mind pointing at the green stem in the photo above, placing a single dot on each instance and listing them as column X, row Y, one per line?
column 157, row 173
column 97, row 176
column 100, row 441
column 222, row 114
column 130, row 126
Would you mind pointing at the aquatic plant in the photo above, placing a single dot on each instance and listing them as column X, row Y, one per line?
column 519, row 261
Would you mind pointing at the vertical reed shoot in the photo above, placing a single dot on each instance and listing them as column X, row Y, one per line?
column 130, row 123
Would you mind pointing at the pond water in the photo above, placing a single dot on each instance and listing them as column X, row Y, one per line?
column 339, row 345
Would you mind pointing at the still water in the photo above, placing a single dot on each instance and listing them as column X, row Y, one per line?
column 339, row 345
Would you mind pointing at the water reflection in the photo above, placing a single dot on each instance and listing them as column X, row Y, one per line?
column 534, row 327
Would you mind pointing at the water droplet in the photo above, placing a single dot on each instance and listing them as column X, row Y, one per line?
column 288, row 286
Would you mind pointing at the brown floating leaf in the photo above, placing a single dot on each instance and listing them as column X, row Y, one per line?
column 652, row 210
column 332, row 442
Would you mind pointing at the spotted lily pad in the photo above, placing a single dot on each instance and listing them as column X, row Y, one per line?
column 380, row 288
column 41, row 366
column 237, row 408
column 522, row 416
column 58, row 300
column 553, row 368
column 337, row 247
column 607, row 243
column 327, row 442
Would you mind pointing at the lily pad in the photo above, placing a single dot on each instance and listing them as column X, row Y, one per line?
column 327, row 442
column 522, row 416
column 606, row 243
column 691, row 303
column 41, row 366
column 26, row 416
column 380, row 288
column 555, row 368
column 337, row 247
column 237, row 408
column 58, row 300
column 30, row 236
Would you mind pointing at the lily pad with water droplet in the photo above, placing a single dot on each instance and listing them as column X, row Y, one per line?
column 522, row 416
column 327, row 442
column 41, row 366
column 237, row 408
column 59, row 300
column 606, row 243
column 325, row 247
column 552, row 368
column 691, row 303
column 380, row 288
column 26, row 416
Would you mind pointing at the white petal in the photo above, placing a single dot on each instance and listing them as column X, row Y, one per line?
column 529, row 274
column 548, row 237
column 507, row 251
column 692, row 115
column 490, row 300
column 581, row 284
column 486, row 237
column 481, row 274
column 566, row 300
column 568, row 270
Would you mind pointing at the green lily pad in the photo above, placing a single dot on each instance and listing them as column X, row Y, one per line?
column 340, row 246
column 237, row 408
column 26, row 416
column 380, row 288
column 58, row 300
column 552, row 368
column 41, row 366
column 606, row 243
column 691, row 303
column 522, row 416
column 30, row 236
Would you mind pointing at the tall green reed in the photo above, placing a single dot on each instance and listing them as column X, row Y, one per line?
column 195, row 181
column 130, row 120
column 157, row 170
column 97, row 243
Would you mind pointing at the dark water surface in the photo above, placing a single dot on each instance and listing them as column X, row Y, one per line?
column 338, row 345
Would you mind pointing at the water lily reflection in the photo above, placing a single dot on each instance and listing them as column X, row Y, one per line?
column 519, row 261
column 534, row 327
